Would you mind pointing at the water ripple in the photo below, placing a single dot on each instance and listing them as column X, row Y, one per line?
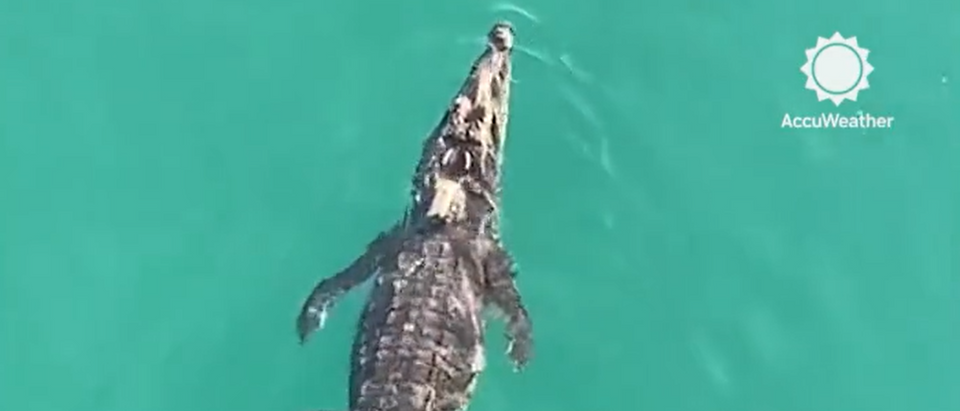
column 577, row 72
column 714, row 363
column 513, row 8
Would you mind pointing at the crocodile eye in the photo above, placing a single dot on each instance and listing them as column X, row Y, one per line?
column 448, row 157
column 467, row 160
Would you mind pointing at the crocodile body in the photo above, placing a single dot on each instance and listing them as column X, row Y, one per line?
column 419, row 344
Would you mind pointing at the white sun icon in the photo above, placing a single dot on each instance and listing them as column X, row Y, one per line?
column 837, row 69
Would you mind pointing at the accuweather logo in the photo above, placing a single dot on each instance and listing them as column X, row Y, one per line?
column 837, row 70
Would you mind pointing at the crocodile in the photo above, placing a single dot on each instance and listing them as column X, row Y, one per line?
column 419, row 344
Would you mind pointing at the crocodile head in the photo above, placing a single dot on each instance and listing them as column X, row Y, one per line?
column 475, row 130
column 466, row 148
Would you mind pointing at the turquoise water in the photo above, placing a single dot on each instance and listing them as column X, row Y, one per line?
column 175, row 176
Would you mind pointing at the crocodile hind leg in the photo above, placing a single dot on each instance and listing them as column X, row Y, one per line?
column 325, row 293
column 501, row 292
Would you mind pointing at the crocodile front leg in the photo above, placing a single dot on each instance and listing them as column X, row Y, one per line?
column 313, row 314
column 501, row 292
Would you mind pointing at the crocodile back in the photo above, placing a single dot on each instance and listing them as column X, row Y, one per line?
column 419, row 344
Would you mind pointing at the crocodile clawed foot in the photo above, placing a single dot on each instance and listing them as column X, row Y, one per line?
column 310, row 320
column 520, row 348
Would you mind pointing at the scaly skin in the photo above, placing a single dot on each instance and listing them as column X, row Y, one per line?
column 420, row 339
column 419, row 342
